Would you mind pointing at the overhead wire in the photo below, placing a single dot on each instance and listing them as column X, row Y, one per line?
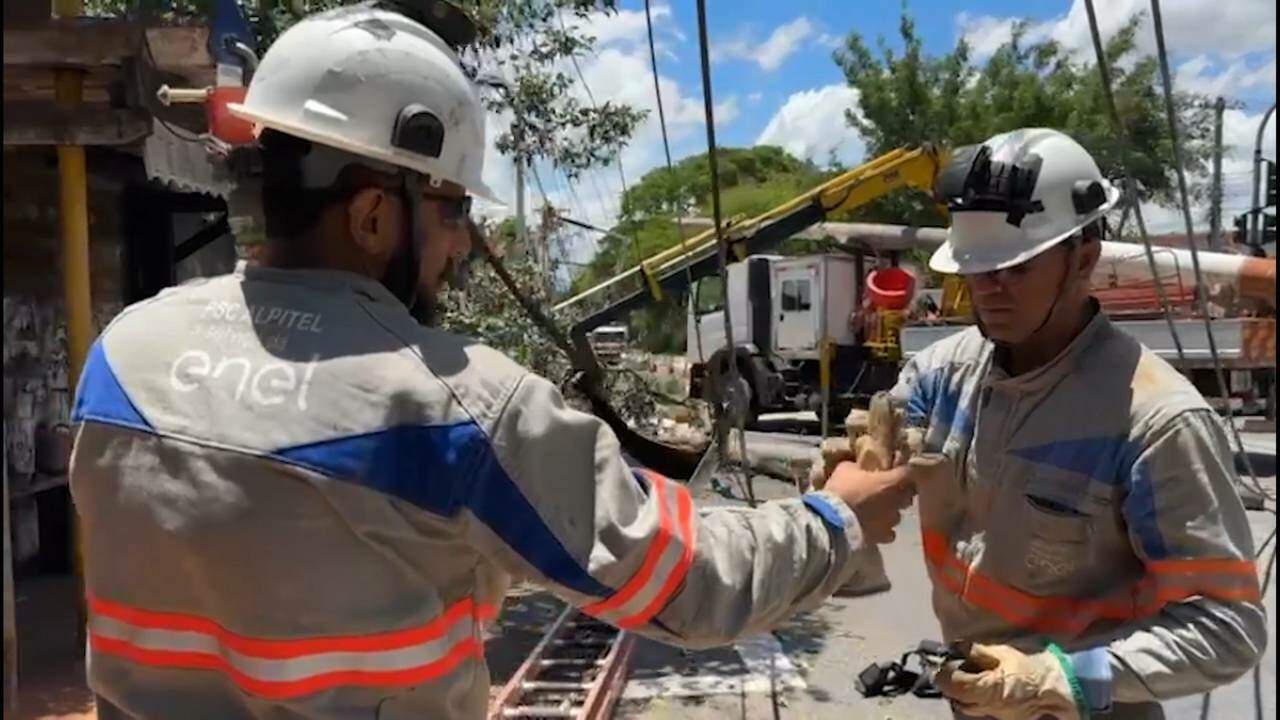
column 617, row 156
column 722, row 251
column 1130, row 189
column 1201, row 301
column 565, row 238
column 622, row 176
column 543, row 248
column 1199, row 294
column 1135, row 204
column 676, row 208
column 576, row 203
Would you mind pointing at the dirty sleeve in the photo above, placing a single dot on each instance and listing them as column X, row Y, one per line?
column 1188, row 526
column 563, row 508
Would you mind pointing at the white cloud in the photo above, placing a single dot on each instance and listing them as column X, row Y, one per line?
column 624, row 26
column 984, row 33
column 619, row 71
column 1239, row 133
column 727, row 110
column 811, row 125
column 1190, row 26
column 755, row 97
column 770, row 54
column 1198, row 75
column 828, row 40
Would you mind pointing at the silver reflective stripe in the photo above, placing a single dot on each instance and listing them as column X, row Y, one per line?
column 630, row 612
column 287, row 669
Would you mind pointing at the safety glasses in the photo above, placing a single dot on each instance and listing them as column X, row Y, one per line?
column 1016, row 275
column 454, row 210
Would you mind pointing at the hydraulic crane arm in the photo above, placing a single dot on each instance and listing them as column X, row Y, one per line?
column 695, row 258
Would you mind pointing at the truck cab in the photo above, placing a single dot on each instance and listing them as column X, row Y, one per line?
column 785, row 311
column 610, row 342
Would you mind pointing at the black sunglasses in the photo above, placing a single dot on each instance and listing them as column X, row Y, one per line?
column 454, row 210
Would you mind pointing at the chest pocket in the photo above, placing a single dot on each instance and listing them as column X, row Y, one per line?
column 1058, row 516
column 1057, row 547
column 1039, row 538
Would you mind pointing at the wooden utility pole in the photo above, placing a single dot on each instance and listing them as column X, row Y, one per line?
column 1215, row 208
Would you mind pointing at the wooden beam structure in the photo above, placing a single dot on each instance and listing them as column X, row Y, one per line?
column 89, row 43
column 30, row 124
column 113, row 59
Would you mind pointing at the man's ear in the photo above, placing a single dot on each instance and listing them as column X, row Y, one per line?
column 369, row 221
column 1087, row 258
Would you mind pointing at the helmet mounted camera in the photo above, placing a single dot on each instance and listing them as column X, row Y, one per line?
column 972, row 182
column 445, row 19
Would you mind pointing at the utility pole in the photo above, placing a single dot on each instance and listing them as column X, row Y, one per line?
column 1215, row 208
column 1255, row 213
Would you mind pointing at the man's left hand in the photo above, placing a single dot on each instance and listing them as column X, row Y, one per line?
column 1004, row 683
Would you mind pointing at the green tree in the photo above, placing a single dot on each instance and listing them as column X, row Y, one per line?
column 752, row 180
column 908, row 97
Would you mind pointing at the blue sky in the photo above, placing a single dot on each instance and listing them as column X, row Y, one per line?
column 775, row 81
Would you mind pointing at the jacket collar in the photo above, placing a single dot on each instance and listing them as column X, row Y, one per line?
column 317, row 279
column 1056, row 369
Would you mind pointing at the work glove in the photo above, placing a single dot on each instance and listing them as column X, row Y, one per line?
column 1002, row 682
column 875, row 441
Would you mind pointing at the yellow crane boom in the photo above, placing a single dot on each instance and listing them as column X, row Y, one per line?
column 695, row 257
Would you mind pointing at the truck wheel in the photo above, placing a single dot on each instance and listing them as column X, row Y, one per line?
column 837, row 411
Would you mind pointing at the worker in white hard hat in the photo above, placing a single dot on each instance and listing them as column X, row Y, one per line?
column 299, row 501
column 1086, row 536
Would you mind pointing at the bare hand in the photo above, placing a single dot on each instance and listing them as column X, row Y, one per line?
column 877, row 498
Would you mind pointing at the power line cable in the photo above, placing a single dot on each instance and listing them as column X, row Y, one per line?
column 622, row 176
column 676, row 210
column 1130, row 188
column 728, row 393
column 1201, row 301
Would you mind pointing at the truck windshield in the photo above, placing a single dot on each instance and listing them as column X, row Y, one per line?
column 709, row 295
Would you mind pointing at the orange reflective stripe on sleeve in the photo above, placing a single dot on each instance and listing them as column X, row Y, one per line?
column 1206, row 566
column 1166, row 581
column 285, row 668
column 666, row 561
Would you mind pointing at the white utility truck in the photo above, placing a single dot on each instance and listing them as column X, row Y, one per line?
column 782, row 308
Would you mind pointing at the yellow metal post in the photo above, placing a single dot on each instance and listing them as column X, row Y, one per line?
column 73, row 199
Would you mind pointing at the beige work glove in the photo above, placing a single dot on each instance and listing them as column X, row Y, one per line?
column 875, row 441
column 1002, row 682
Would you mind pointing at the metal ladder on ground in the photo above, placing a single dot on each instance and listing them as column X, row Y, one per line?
column 577, row 670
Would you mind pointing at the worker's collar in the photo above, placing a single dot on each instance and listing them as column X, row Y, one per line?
column 319, row 279
column 1051, row 372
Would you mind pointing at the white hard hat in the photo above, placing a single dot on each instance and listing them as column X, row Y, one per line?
column 368, row 80
column 1015, row 196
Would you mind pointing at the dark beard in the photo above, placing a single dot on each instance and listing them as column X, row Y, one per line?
column 425, row 310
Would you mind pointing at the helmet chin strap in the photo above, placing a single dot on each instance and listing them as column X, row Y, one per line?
column 1053, row 308
column 404, row 269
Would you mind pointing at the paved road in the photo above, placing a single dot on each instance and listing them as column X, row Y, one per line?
column 829, row 646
